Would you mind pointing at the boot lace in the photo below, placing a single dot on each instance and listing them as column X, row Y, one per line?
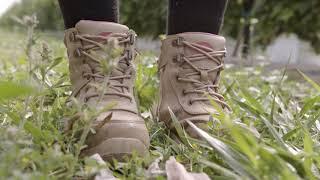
column 114, row 82
column 204, row 85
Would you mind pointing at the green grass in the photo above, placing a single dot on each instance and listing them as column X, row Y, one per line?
column 272, row 133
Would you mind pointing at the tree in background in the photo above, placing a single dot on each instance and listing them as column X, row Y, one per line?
column 270, row 18
column 145, row 17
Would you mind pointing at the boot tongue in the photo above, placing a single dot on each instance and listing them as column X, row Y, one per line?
column 100, row 28
column 210, row 41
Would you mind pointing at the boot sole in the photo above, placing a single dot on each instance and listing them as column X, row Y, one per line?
column 117, row 148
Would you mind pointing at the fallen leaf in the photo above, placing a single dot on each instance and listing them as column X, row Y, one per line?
column 154, row 170
column 104, row 174
column 176, row 171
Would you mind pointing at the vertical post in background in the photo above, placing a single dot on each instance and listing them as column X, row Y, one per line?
column 247, row 29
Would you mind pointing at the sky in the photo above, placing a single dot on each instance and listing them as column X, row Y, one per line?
column 5, row 4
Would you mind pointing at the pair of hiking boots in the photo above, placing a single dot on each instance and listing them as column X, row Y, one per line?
column 189, row 68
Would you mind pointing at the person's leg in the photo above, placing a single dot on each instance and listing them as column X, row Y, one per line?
column 91, row 25
column 195, row 16
column 190, row 63
column 96, row 10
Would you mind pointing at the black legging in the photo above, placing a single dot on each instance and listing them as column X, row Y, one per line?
column 183, row 16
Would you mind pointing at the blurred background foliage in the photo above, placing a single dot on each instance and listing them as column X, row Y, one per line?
column 47, row 12
column 263, row 20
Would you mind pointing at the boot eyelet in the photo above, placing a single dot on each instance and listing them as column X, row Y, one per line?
column 184, row 92
column 190, row 103
column 85, row 76
column 129, row 54
column 177, row 42
column 178, row 58
column 78, row 52
column 132, row 38
column 73, row 36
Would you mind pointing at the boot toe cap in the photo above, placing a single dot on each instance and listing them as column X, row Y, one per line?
column 123, row 134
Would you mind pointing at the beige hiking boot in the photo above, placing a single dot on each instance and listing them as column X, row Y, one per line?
column 190, row 66
column 125, row 132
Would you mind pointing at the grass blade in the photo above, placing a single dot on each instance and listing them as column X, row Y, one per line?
column 309, row 104
column 222, row 170
column 309, row 80
column 270, row 127
column 9, row 90
column 178, row 127
column 224, row 150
